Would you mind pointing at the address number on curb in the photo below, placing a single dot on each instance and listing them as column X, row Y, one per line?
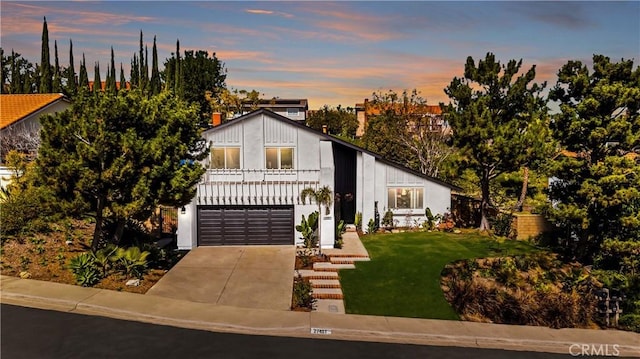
column 320, row 331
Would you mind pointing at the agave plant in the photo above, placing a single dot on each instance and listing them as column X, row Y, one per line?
column 84, row 269
column 133, row 261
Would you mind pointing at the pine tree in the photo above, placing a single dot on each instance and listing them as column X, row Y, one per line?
column 83, row 78
column 71, row 73
column 498, row 121
column 123, row 81
column 57, row 76
column 45, row 62
column 117, row 156
column 97, row 83
column 155, row 84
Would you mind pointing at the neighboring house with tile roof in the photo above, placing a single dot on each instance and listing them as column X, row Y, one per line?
column 20, row 122
column 366, row 110
column 24, row 110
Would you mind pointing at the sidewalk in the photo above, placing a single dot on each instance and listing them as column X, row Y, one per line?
column 204, row 316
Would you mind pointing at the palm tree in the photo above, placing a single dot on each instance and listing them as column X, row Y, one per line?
column 323, row 197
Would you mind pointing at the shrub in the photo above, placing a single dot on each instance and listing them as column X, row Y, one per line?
column 132, row 261
column 308, row 228
column 387, row 219
column 371, row 226
column 303, row 293
column 358, row 221
column 630, row 322
column 84, row 269
column 341, row 228
column 501, row 225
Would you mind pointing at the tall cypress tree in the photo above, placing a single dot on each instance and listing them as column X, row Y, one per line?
column 134, row 77
column 45, row 62
column 123, row 81
column 141, row 80
column 71, row 73
column 97, row 83
column 178, row 71
column 145, row 73
column 111, row 76
column 155, row 73
column 83, row 79
column 57, row 76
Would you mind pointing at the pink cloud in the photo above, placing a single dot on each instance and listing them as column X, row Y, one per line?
column 268, row 12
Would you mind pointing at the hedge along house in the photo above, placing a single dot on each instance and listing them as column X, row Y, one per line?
column 260, row 162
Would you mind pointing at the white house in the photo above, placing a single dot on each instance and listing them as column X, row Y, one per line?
column 260, row 162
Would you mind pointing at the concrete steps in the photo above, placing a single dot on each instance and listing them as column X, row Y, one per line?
column 348, row 260
column 324, row 283
column 331, row 267
column 311, row 274
column 324, row 277
column 327, row 293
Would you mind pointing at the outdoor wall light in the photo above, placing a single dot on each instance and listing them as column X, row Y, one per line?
column 183, row 210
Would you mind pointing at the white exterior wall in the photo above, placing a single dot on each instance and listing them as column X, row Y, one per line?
column 314, row 167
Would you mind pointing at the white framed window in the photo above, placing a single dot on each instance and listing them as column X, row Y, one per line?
column 225, row 157
column 292, row 111
column 406, row 197
column 279, row 158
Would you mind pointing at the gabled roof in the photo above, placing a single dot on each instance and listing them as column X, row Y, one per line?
column 15, row 107
column 332, row 139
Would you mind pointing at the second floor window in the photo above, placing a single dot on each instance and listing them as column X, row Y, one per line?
column 225, row 158
column 279, row 158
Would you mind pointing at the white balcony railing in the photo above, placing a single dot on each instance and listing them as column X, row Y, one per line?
column 255, row 187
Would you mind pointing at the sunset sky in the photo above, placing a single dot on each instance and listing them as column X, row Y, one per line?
column 332, row 52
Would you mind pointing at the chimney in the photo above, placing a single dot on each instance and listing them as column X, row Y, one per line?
column 324, row 129
column 216, row 119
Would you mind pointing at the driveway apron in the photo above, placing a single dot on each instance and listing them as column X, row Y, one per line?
column 239, row 276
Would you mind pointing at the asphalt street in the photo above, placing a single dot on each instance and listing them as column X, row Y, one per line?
column 34, row 333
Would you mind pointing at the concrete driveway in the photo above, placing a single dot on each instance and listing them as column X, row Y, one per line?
column 239, row 276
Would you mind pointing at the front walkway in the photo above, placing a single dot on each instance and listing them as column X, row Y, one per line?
column 238, row 276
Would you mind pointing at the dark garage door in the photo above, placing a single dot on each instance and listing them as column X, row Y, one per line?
column 231, row 225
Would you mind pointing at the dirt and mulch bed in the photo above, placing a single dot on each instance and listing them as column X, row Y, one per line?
column 302, row 299
column 534, row 289
column 45, row 256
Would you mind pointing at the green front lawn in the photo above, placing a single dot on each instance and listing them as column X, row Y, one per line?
column 403, row 277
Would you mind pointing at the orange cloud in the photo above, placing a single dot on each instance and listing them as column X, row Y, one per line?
column 268, row 12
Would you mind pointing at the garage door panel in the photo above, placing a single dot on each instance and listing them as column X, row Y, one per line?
column 245, row 225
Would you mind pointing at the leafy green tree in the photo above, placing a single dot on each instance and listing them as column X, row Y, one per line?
column 199, row 76
column 122, row 156
column 339, row 120
column 597, row 194
column 499, row 121
column 45, row 62
column 18, row 74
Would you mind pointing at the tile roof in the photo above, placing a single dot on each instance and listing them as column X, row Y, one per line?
column 15, row 107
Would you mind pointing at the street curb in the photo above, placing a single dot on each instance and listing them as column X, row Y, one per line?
column 304, row 331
